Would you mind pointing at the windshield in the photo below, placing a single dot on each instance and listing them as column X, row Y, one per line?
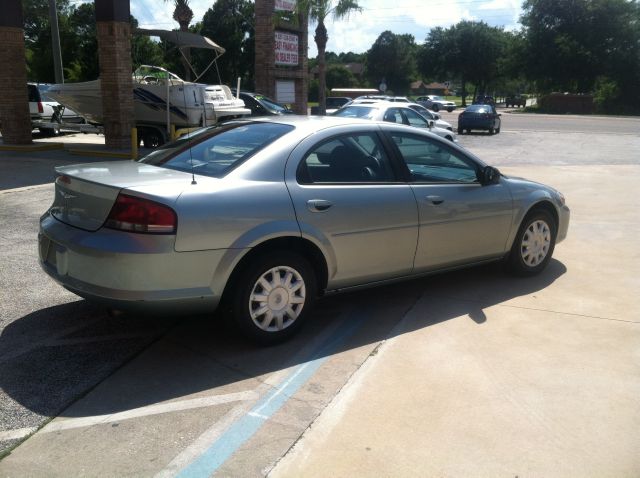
column 355, row 112
column 437, row 98
column 216, row 150
column 270, row 104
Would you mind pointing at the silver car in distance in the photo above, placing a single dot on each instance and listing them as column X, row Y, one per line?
column 265, row 215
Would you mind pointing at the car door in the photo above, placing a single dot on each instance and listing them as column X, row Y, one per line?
column 460, row 219
column 348, row 200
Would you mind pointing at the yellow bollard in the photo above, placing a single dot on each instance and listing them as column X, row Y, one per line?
column 173, row 132
column 134, row 144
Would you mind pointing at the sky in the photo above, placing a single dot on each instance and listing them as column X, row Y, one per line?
column 360, row 30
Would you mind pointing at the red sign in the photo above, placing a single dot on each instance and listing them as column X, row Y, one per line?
column 286, row 48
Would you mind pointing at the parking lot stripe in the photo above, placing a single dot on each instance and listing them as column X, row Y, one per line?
column 243, row 429
column 17, row 433
column 157, row 409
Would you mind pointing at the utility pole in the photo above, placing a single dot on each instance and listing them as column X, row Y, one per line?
column 55, row 42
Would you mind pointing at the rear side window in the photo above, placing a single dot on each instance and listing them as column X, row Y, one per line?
column 216, row 151
column 352, row 158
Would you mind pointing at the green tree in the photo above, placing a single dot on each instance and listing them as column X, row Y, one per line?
column 469, row 51
column 230, row 24
column 37, row 30
column 183, row 14
column 392, row 58
column 339, row 77
column 584, row 45
column 318, row 11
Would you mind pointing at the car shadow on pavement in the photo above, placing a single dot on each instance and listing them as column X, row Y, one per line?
column 180, row 356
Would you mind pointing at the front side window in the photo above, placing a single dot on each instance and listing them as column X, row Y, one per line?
column 351, row 158
column 429, row 161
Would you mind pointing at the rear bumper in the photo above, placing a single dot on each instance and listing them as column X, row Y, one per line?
column 475, row 124
column 126, row 270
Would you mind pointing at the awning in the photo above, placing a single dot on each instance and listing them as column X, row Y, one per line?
column 182, row 39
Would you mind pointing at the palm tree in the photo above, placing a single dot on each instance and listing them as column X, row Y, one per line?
column 183, row 14
column 319, row 11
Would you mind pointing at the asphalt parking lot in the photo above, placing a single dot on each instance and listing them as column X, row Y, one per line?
column 471, row 373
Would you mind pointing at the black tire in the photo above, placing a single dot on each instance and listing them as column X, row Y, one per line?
column 435, row 108
column 261, row 328
column 492, row 131
column 460, row 131
column 50, row 131
column 152, row 138
column 497, row 130
column 537, row 225
column 449, row 110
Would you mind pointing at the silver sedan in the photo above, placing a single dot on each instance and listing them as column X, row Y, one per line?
column 265, row 215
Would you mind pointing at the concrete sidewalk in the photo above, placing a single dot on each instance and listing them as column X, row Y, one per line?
column 546, row 384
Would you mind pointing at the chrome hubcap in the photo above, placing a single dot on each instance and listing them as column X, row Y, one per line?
column 535, row 243
column 277, row 298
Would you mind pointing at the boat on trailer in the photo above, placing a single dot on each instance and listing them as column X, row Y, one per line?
column 160, row 97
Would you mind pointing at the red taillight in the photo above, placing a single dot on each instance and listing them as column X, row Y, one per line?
column 40, row 108
column 133, row 214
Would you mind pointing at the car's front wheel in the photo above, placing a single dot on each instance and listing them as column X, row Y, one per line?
column 273, row 295
column 534, row 244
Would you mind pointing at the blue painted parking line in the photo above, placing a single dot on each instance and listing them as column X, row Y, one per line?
column 242, row 430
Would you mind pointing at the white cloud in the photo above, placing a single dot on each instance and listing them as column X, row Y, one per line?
column 358, row 32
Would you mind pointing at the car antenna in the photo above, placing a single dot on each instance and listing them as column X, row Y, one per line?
column 184, row 96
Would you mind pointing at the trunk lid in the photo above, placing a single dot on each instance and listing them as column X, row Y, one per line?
column 85, row 193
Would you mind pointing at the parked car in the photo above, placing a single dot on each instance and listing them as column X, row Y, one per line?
column 36, row 108
column 336, row 102
column 516, row 100
column 436, row 103
column 248, row 214
column 430, row 115
column 392, row 113
column 484, row 100
column 484, row 117
column 261, row 105
column 45, row 109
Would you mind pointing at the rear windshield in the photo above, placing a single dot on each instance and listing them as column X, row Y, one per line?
column 479, row 109
column 355, row 112
column 217, row 150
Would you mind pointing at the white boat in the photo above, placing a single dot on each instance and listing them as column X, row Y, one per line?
column 160, row 97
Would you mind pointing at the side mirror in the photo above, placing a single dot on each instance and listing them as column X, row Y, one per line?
column 489, row 175
column 430, row 123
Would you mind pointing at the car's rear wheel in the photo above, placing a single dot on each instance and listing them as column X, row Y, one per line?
column 533, row 246
column 273, row 295
column 449, row 110
column 492, row 131
column 435, row 107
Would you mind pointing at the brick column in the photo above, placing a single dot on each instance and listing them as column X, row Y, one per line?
column 114, row 50
column 15, row 119
column 266, row 70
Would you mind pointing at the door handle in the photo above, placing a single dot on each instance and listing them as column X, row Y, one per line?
column 435, row 199
column 318, row 205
